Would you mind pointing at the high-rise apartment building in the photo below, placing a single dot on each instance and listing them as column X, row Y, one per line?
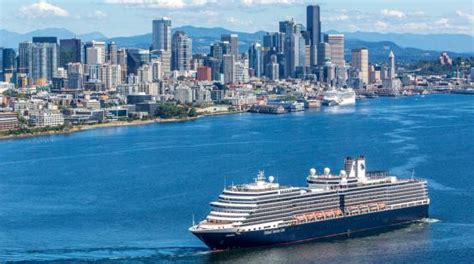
column 162, row 34
column 360, row 61
column 337, row 48
column 181, row 52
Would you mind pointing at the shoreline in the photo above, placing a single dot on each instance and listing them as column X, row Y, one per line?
column 80, row 128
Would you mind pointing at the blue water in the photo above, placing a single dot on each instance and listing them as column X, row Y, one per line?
column 127, row 194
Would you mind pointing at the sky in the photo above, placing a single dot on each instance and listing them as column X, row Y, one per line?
column 132, row 17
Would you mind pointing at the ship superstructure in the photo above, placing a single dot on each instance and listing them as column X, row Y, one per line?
column 264, row 212
column 345, row 96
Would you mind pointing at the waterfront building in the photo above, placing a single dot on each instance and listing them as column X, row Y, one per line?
column 183, row 95
column 360, row 61
column 233, row 40
column 69, row 51
column 181, row 52
column 336, row 41
column 313, row 25
column 8, row 121
column 256, row 59
column 162, row 34
column 46, row 119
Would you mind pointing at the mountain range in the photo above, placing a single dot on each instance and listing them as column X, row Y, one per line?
column 407, row 47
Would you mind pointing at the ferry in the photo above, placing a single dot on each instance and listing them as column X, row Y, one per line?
column 264, row 213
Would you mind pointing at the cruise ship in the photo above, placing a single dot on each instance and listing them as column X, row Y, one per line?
column 339, row 97
column 264, row 213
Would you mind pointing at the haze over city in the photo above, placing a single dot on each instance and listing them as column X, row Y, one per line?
column 131, row 17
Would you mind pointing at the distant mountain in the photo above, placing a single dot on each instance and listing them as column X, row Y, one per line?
column 407, row 47
column 460, row 43
column 10, row 39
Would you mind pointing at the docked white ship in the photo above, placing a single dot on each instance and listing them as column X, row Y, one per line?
column 339, row 97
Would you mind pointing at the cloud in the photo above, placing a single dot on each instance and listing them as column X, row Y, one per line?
column 42, row 9
column 381, row 25
column 393, row 13
column 98, row 14
column 469, row 17
column 168, row 4
column 271, row 2
column 442, row 22
column 180, row 4
column 341, row 17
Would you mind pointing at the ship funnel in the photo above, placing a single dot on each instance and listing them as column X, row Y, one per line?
column 360, row 169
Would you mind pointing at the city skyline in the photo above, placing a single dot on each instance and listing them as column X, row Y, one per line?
column 241, row 15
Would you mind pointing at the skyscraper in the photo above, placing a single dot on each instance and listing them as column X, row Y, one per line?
column 95, row 50
column 272, row 71
column 360, row 61
column 136, row 58
column 44, row 61
column 391, row 67
column 122, row 61
column 181, row 52
column 313, row 26
column 8, row 61
column 324, row 53
column 52, row 40
column 69, row 51
column 112, row 50
column 25, row 59
column 337, row 48
column 294, row 47
column 256, row 59
column 229, row 68
column 233, row 39
column 162, row 34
